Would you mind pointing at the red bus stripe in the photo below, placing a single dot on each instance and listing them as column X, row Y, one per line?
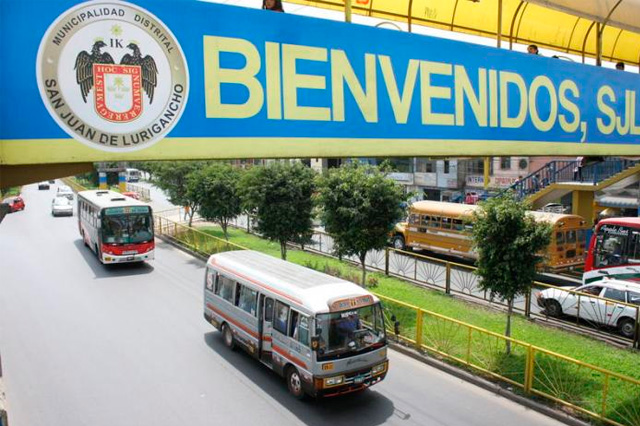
column 234, row 322
column 260, row 284
column 289, row 357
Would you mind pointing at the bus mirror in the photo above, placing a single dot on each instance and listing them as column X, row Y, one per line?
column 315, row 343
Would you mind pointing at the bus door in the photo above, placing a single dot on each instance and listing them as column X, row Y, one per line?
column 266, row 329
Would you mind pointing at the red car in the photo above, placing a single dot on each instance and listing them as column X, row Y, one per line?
column 15, row 203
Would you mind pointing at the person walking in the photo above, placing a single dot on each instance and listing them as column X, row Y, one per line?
column 187, row 210
column 577, row 170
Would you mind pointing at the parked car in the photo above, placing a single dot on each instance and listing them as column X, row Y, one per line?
column 61, row 206
column 43, row 185
column 131, row 194
column 605, row 303
column 52, row 181
column 65, row 191
column 15, row 203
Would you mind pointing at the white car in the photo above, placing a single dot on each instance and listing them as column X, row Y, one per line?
column 65, row 191
column 604, row 303
column 62, row 206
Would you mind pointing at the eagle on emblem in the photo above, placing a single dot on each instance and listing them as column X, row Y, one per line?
column 84, row 66
column 148, row 66
column 85, row 62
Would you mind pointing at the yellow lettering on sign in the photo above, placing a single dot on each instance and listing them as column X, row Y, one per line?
column 292, row 81
column 606, row 129
column 623, row 129
column 539, row 82
column 429, row 92
column 342, row 72
column 215, row 76
column 512, row 79
column 569, row 126
column 400, row 104
column 464, row 90
column 493, row 98
column 274, row 93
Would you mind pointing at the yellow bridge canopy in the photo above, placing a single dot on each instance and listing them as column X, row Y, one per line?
column 569, row 26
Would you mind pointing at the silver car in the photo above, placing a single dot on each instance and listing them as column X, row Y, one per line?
column 65, row 191
column 62, row 206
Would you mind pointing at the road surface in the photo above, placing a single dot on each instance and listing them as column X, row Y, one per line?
column 87, row 345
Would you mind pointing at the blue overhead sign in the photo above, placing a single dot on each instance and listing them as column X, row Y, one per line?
column 191, row 79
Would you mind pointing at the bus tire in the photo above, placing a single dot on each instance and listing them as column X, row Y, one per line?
column 294, row 383
column 398, row 242
column 227, row 337
column 553, row 308
column 627, row 327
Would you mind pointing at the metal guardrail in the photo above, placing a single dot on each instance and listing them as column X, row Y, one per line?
column 602, row 394
column 144, row 193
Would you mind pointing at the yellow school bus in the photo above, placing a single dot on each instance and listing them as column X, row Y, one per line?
column 446, row 228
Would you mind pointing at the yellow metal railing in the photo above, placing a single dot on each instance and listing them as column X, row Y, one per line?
column 196, row 240
column 605, row 395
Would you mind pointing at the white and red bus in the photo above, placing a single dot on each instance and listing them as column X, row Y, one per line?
column 118, row 229
column 614, row 250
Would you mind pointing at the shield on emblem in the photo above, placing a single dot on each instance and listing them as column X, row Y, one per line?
column 118, row 91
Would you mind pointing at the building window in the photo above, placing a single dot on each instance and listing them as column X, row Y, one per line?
column 446, row 166
column 424, row 165
column 475, row 166
column 505, row 163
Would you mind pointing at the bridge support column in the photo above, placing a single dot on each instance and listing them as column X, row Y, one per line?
column 122, row 181
column 102, row 180
column 582, row 202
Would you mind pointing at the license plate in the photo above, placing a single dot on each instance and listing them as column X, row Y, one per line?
column 130, row 252
column 130, row 258
column 358, row 379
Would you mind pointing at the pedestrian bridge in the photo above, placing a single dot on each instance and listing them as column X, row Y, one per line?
column 137, row 82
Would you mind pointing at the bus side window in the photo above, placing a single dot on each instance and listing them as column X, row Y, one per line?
column 424, row 220
column 299, row 329
column 414, row 219
column 434, row 222
column 559, row 238
column 225, row 288
column 246, row 299
column 293, row 325
column 282, row 317
column 446, row 223
column 268, row 309
column 211, row 278
column 458, row 225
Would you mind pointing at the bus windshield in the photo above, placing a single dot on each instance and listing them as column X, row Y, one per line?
column 345, row 333
column 119, row 227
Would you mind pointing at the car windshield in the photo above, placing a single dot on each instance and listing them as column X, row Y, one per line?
column 123, row 228
column 346, row 333
column 61, row 201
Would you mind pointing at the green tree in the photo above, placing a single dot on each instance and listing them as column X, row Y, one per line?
column 280, row 196
column 172, row 178
column 509, row 243
column 215, row 190
column 359, row 207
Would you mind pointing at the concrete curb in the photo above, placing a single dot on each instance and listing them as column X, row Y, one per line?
column 447, row 368
column 489, row 385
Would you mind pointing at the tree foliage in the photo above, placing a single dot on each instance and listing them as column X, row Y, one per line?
column 172, row 178
column 510, row 244
column 359, row 206
column 215, row 191
column 280, row 196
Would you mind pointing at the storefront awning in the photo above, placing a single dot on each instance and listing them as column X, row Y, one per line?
column 569, row 26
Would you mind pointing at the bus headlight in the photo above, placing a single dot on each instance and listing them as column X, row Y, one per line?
column 379, row 369
column 333, row 381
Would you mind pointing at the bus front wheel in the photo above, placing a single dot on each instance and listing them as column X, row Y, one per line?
column 227, row 336
column 398, row 242
column 294, row 383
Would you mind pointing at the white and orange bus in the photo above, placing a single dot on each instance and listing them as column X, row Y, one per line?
column 446, row 228
column 325, row 335
column 118, row 229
